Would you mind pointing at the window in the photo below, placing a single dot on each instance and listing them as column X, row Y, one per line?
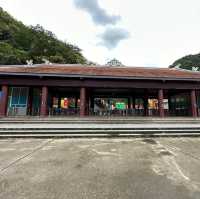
column 19, row 97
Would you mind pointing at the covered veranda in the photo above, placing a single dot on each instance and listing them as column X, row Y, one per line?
column 72, row 90
column 99, row 102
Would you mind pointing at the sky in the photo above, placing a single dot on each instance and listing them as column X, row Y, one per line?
column 136, row 32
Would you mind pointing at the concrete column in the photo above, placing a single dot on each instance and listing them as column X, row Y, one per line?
column 88, row 102
column 161, row 103
column 44, row 99
column 30, row 101
column 3, row 101
column 193, row 103
column 129, row 103
column 83, row 102
column 146, row 110
column 169, row 105
column 133, row 102
column 76, row 102
column 92, row 103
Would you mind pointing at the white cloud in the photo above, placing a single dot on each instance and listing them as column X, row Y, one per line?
column 111, row 37
column 98, row 14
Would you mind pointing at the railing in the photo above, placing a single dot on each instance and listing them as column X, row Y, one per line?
column 13, row 111
column 34, row 112
column 179, row 112
column 23, row 111
column 63, row 112
column 20, row 111
column 125, row 112
column 153, row 112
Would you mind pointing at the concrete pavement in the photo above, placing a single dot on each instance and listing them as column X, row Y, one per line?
column 158, row 168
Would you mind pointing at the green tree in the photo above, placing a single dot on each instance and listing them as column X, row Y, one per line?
column 19, row 43
column 188, row 62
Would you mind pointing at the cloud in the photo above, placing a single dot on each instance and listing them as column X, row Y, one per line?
column 98, row 14
column 112, row 36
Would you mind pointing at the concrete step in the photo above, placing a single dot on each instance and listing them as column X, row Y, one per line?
column 52, row 129
column 102, row 135
column 94, row 131
column 115, row 125
column 98, row 133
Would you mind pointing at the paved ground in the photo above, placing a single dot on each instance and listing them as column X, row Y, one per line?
column 162, row 168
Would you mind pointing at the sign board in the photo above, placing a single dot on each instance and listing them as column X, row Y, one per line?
column 64, row 103
column 120, row 105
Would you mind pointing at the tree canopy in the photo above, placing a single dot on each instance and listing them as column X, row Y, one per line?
column 190, row 62
column 19, row 43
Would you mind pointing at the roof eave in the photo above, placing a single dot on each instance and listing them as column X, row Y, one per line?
column 99, row 76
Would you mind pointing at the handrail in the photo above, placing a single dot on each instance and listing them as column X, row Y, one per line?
column 22, row 111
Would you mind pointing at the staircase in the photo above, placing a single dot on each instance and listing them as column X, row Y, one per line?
column 98, row 127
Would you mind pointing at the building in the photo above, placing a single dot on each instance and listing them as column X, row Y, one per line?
column 73, row 90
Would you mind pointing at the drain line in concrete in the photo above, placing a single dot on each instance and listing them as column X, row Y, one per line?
column 26, row 155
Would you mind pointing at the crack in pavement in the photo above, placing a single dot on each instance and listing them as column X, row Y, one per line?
column 168, row 166
column 181, row 151
column 24, row 156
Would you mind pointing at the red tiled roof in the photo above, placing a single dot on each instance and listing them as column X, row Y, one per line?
column 105, row 71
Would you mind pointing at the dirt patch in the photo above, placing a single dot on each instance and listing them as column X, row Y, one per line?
column 149, row 141
column 78, row 166
column 167, row 153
